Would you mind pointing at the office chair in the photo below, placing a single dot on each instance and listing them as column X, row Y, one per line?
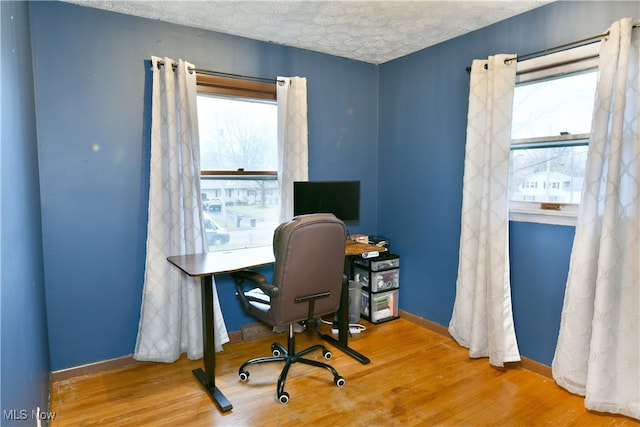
column 307, row 279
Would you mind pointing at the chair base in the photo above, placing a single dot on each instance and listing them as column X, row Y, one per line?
column 289, row 356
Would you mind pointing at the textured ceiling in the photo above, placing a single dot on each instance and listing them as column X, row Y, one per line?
column 369, row 31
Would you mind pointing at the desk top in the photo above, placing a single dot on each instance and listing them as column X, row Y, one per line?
column 357, row 248
column 209, row 263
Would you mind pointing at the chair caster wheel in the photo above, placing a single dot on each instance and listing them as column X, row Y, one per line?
column 340, row 382
column 284, row 397
column 244, row 376
column 327, row 354
column 275, row 351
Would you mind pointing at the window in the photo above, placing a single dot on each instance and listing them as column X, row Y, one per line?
column 551, row 125
column 237, row 122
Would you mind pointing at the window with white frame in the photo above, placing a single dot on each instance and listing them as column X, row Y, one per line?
column 237, row 122
column 551, row 125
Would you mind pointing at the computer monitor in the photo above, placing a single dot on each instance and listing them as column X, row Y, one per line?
column 341, row 198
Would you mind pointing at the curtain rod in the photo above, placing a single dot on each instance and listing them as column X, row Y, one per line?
column 228, row 75
column 235, row 76
column 560, row 48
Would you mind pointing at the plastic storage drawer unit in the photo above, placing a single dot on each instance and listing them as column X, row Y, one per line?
column 380, row 280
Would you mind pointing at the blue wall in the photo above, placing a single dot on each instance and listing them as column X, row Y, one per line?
column 92, row 87
column 423, row 108
column 24, row 350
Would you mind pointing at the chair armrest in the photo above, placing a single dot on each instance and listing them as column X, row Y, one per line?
column 257, row 279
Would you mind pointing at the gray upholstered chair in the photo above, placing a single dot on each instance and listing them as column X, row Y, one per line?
column 307, row 279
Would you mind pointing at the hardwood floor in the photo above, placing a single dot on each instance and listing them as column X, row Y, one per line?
column 416, row 378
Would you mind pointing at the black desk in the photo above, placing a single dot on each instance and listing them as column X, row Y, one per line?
column 205, row 266
column 208, row 264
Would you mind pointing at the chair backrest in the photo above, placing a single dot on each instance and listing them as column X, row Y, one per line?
column 309, row 259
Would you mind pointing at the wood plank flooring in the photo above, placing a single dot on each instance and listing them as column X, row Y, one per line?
column 416, row 378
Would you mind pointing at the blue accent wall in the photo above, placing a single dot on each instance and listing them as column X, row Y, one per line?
column 399, row 128
column 24, row 349
column 423, row 113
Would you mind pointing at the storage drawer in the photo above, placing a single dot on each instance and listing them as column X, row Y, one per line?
column 377, row 281
column 379, row 307
column 384, row 261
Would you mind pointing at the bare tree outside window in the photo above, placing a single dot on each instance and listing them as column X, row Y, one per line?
column 237, row 134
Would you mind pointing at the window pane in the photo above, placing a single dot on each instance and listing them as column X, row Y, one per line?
column 551, row 125
column 237, row 134
column 554, row 106
column 552, row 175
column 239, row 213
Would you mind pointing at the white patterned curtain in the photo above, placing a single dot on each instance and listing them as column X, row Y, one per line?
column 482, row 318
column 171, row 313
column 598, row 350
column 293, row 157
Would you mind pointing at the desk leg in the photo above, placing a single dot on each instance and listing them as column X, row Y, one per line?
column 207, row 377
column 343, row 327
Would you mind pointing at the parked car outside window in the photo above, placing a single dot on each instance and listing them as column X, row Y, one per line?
column 216, row 235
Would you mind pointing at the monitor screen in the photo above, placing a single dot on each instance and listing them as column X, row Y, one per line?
column 341, row 198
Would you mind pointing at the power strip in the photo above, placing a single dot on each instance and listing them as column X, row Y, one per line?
column 352, row 330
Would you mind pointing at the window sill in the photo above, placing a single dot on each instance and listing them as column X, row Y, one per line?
column 531, row 212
